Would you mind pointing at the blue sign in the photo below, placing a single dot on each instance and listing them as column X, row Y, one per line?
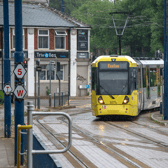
column 46, row 55
column 63, row 56
column 87, row 86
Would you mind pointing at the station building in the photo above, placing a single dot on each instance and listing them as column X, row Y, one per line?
column 49, row 34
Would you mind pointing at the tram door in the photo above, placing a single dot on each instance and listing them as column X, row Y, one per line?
column 140, row 89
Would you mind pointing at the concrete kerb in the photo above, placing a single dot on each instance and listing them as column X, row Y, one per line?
column 158, row 120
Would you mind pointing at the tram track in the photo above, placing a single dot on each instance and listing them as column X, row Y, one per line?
column 139, row 134
column 52, row 136
column 123, row 156
column 78, row 159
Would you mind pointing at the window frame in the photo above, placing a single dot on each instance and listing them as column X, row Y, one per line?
column 43, row 35
column 54, row 75
column 13, row 34
column 60, row 35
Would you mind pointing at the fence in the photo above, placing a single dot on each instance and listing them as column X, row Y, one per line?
column 61, row 99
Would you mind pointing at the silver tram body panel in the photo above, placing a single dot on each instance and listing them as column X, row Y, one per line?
column 153, row 100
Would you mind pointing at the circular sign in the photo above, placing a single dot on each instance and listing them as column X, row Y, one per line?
column 46, row 55
column 7, row 89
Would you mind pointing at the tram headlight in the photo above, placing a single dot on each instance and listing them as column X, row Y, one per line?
column 100, row 100
column 126, row 100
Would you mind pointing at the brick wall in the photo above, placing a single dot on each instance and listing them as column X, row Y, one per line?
column 35, row 39
column 25, row 31
column 51, row 38
column 67, row 40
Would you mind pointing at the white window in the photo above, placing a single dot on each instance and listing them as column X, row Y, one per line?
column 43, row 38
column 45, row 74
column 60, row 39
column 13, row 37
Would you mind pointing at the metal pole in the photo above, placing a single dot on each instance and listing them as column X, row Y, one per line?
column 7, row 79
column 50, row 76
column 119, row 45
column 69, row 77
column 38, row 89
column 2, row 56
column 62, row 99
column 19, row 106
column 29, row 135
column 165, row 64
column 59, row 91
column 35, row 86
column 49, row 100
column 54, row 100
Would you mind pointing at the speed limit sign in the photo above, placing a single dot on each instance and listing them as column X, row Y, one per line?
column 19, row 71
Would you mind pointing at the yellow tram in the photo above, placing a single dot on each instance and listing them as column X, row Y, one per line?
column 120, row 85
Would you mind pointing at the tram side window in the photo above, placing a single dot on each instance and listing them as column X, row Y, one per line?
column 139, row 78
column 153, row 81
column 144, row 77
column 161, row 76
column 94, row 78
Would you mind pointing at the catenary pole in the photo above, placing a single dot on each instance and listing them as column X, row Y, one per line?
column 2, row 58
column 19, row 106
column 7, row 77
column 165, row 64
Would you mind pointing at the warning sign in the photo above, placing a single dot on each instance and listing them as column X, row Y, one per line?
column 19, row 71
column 20, row 92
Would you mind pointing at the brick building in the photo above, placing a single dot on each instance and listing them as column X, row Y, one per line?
column 47, row 34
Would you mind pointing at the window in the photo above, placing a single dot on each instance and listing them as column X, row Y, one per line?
column 43, row 38
column 60, row 39
column 45, row 74
column 153, row 81
column 13, row 36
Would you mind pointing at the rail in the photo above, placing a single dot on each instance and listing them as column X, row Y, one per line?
column 30, row 150
column 19, row 128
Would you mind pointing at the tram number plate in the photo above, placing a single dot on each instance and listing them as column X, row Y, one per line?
column 103, row 106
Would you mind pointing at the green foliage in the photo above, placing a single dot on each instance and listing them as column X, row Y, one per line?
column 143, row 35
column 48, row 90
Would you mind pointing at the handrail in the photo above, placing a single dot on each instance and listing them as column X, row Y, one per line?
column 30, row 150
column 69, row 138
column 20, row 127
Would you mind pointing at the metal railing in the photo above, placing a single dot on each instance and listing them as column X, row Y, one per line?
column 30, row 150
column 19, row 128
column 61, row 99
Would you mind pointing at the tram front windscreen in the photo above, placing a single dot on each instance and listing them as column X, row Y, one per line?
column 113, row 78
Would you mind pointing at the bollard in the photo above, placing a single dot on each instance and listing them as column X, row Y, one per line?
column 54, row 100
column 62, row 99
column 50, row 100
column 29, row 135
column 160, row 107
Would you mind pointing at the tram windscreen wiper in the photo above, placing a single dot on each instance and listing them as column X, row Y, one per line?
column 107, row 92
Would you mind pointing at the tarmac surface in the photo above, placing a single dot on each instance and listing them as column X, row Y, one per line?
column 7, row 144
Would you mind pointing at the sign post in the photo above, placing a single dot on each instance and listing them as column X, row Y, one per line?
column 7, row 77
column 19, row 104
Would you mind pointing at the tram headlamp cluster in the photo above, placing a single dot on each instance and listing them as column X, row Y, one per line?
column 100, row 100
column 126, row 100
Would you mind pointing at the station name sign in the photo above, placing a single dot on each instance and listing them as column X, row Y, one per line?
column 39, row 54
column 113, row 65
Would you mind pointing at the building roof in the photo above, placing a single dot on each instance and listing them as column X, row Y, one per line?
column 40, row 15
